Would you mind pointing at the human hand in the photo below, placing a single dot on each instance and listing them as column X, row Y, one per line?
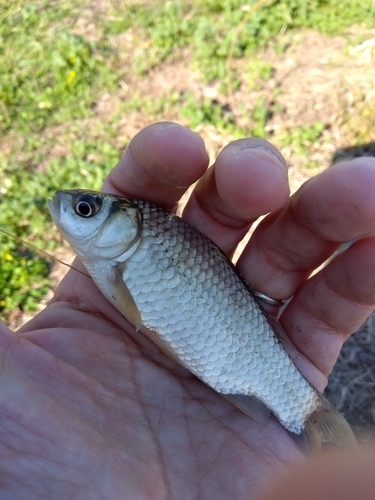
column 91, row 409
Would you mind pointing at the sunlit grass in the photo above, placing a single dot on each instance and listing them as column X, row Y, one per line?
column 58, row 58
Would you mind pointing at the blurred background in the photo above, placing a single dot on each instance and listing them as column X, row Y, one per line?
column 79, row 79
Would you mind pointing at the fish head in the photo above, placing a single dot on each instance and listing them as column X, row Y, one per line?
column 97, row 225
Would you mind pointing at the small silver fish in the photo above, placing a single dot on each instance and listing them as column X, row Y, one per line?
column 176, row 286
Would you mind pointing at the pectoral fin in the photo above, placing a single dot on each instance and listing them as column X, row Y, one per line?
column 131, row 312
column 124, row 299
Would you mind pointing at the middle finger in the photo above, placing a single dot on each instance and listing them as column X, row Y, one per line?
column 248, row 179
column 336, row 206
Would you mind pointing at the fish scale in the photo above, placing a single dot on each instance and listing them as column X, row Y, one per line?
column 208, row 317
column 178, row 288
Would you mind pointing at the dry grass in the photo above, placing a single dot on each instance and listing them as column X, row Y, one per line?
column 351, row 386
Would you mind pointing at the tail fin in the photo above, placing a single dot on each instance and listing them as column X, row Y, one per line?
column 326, row 426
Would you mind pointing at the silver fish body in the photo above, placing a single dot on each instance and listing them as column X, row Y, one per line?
column 176, row 285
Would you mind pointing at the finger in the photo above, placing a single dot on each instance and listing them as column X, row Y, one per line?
column 333, row 304
column 336, row 206
column 249, row 179
column 160, row 163
column 7, row 342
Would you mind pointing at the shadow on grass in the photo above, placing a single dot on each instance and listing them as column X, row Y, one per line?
column 352, row 152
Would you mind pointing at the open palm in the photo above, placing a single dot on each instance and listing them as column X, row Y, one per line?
column 91, row 409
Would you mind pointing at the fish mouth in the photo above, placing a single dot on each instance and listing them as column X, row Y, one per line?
column 55, row 206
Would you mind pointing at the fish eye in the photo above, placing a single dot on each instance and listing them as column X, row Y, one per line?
column 87, row 205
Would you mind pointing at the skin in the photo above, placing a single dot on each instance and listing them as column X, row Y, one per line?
column 90, row 409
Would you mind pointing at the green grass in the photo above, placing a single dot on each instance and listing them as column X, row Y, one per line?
column 209, row 26
column 47, row 71
column 303, row 137
column 59, row 57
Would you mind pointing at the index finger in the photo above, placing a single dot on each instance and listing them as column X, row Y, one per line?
column 159, row 164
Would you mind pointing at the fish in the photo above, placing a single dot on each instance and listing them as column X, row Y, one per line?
column 176, row 286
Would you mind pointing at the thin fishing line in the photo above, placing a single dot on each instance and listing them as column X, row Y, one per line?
column 27, row 243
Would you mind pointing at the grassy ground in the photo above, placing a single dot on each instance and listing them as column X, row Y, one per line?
column 77, row 81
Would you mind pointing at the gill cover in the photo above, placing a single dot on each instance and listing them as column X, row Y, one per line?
column 94, row 224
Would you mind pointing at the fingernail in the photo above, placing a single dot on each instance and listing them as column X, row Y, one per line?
column 259, row 145
column 164, row 125
column 260, row 148
column 171, row 125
